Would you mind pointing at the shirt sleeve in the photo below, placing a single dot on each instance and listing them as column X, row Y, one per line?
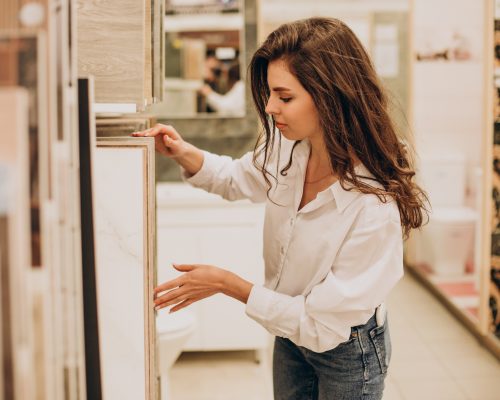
column 367, row 267
column 231, row 179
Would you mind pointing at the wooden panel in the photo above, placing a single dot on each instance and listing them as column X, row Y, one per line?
column 24, row 52
column 123, row 126
column 148, row 51
column 112, row 47
column 125, row 225
column 17, row 339
column 158, row 49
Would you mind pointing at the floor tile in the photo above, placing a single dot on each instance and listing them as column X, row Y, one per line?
column 435, row 389
column 480, row 388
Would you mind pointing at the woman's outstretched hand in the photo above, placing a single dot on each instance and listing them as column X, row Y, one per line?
column 169, row 143
column 167, row 140
column 199, row 282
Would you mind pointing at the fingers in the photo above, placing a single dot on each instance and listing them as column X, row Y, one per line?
column 184, row 267
column 172, row 297
column 158, row 129
column 174, row 283
column 179, row 306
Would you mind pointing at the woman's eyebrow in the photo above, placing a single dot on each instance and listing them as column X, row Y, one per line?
column 281, row 89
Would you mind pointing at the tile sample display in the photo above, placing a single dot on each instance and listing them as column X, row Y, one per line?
column 125, row 225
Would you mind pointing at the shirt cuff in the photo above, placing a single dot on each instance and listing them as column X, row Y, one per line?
column 203, row 175
column 258, row 303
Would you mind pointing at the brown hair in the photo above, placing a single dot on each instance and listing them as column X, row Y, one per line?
column 331, row 64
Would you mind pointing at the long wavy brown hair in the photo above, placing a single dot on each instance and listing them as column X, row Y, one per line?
column 331, row 64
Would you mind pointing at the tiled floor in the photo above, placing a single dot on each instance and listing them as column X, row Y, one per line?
column 434, row 358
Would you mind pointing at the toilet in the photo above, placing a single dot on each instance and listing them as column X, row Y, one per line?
column 172, row 332
column 448, row 238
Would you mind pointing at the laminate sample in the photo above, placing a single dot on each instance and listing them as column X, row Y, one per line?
column 123, row 126
column 114, row 45
column 158, row 49
column 125, row 225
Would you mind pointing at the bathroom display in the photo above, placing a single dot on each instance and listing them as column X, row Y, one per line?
column 447, row 253
column 124, row 209
column 204, row 63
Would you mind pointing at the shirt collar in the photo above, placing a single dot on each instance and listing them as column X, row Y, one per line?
column 342, row 196
column 345, row 197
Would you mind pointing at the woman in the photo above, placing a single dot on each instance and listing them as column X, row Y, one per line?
column 340, row 197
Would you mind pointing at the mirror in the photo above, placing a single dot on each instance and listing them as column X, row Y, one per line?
column 204, row 63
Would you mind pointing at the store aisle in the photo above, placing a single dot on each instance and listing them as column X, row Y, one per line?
column 434, row 358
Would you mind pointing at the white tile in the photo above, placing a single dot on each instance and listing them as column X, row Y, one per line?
column 118, row 187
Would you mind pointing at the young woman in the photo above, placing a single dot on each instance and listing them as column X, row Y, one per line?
column 340, row 198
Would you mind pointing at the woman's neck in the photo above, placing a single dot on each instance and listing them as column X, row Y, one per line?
column 319, row 159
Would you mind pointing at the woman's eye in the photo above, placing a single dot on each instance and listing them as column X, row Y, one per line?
column 285, row 99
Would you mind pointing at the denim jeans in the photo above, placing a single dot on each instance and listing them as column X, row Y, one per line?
column 353, row 370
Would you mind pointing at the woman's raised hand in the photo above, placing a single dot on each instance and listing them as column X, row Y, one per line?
column 167, row 140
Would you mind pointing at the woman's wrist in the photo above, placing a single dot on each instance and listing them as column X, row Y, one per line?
column 236, row 287
column 190, row 158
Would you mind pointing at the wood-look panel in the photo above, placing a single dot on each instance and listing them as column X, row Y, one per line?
column 112, row 48
column 158, row 49
column 17, row 335
column 148, row 51
column 25, row 55
column 123, row 126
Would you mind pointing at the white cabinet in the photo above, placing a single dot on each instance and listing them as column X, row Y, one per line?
column 195, row 227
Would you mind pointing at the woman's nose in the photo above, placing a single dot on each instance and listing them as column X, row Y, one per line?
column 271, row 108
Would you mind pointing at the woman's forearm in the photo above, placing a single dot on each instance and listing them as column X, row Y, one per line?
column 191, row 158
column 236, row 287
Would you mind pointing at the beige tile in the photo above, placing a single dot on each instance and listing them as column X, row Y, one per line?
column 435, row 389
column 480, row 388
column 457, row 347
column 417, row 369
column 484, row 366
column 220, row 376
column 391, row 391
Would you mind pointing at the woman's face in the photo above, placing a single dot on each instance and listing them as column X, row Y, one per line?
column 290, row 105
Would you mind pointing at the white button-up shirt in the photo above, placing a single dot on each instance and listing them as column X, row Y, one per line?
column 328, row 265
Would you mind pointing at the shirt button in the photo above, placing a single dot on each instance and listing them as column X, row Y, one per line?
column 291, row 221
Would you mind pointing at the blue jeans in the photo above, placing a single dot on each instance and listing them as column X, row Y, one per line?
column 353, row 370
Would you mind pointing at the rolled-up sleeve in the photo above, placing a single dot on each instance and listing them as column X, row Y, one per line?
column 368, row 265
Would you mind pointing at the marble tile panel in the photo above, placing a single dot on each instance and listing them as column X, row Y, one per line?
column 124, row 270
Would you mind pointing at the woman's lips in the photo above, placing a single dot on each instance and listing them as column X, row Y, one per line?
column 280, row 126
